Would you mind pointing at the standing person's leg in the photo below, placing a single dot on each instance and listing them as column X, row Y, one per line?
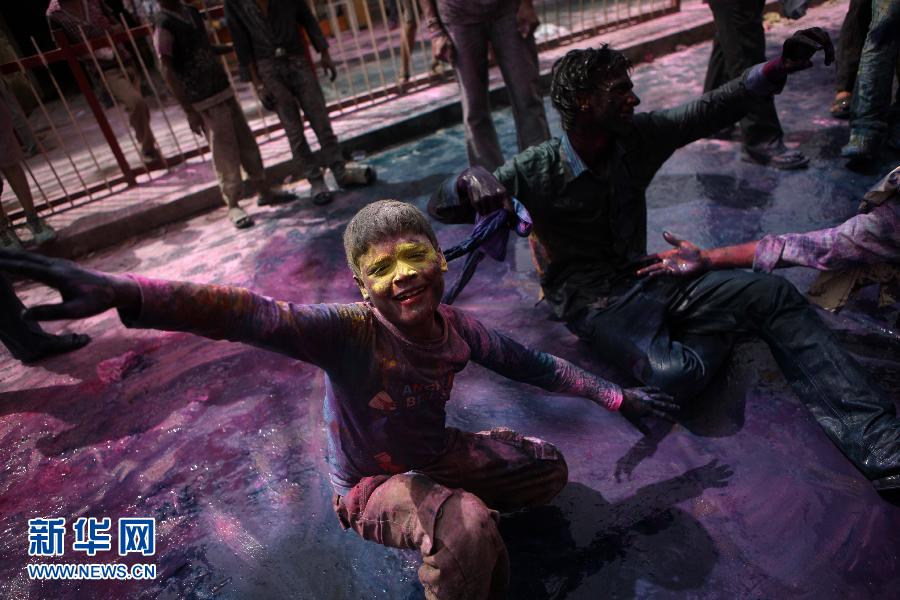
column 125, row 88
column 849, row 49
column 872, row 93
column 742, row 38
column 716, row 76
column 19, row 119
column 715, row 70
column 407, row 37
column 518, row 61
column 11, row 167
column 226, row 159
column 470, row 63
column 276, row 78
column 251, row 159
column 312, row 102
column 308, row 92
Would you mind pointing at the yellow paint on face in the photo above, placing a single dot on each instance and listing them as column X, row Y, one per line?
column 383, row 264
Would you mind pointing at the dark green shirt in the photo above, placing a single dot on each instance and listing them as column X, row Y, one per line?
column 590, row 226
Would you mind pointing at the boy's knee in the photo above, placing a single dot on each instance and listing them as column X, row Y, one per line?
column 469, row 554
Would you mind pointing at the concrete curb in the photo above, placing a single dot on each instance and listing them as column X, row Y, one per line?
column 104, row 229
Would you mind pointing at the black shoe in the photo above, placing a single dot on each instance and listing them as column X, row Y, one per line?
column 779, row 157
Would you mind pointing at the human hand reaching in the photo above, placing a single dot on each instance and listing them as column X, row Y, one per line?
column 640, row 402
column 84, row 292
column 686, row 259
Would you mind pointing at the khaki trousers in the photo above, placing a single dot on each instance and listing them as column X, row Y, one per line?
column 126, row 90
column 233, row 146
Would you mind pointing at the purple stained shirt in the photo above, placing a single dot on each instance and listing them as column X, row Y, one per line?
column 869, row 238
column 384, row 392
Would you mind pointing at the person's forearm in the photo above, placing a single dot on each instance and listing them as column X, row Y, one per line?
column 511, row 359
column 739, row 256
column 431, row 18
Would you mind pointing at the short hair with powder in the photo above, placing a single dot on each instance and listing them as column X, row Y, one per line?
column 381, row 220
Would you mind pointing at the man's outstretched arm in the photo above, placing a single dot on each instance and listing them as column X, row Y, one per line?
column 675, row 127
column 865, row 239
column 216, row 312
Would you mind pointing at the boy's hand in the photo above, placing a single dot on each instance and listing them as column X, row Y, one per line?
column 646, row 401
column 484, row 192
column 685, row 259
column 84, row 292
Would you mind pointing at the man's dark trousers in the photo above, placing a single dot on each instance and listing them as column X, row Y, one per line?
column 675, row 333
column 740, row 43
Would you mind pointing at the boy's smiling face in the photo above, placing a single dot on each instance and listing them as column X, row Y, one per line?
column 403, row 277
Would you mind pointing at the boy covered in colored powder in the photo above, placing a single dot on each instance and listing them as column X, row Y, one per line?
column 401, row 477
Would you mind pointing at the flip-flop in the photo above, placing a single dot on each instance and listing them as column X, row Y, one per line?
column 239, row 218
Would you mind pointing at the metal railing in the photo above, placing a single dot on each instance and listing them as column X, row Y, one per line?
column 84, row 153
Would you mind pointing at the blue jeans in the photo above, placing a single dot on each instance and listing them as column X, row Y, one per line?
column 675, row 334
column 871, row 109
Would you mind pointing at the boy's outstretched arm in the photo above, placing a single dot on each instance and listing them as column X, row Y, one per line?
column 312, row 333
column 84, row 292
column 511, row 359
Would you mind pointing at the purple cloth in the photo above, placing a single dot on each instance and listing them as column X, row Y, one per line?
column 384, row 393
column 489, row 237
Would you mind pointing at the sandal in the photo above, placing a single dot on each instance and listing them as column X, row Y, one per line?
column 840, row 108
column 320, row 193
column 239, row 218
